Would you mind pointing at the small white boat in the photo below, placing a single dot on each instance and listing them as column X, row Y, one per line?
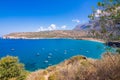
column 55, row 49
column 50, row 64
column 50, row 53
column 12, row 49
column 104, row 47
column 38, row 54
column 65, row 52
column 46, row 61
column 49, row 56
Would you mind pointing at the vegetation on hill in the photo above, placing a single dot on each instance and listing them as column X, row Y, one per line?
column 78, row 67
column 118, row 50
column 48, row 34
column 82, row 68
column 11, row 69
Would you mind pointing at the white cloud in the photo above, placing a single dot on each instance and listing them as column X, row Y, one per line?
column 63, row 27
column 76, row 20
column 42, row 29
column 50, row 28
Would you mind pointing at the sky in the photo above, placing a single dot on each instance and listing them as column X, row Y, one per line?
column 42, row 15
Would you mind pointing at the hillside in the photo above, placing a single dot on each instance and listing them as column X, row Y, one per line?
column 48, row 34
column 82, row 68
column 91, row 25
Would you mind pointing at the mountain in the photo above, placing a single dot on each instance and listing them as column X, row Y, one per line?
column 88, row 26
column 81, row 27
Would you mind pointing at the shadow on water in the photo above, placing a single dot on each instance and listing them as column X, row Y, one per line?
column 31, row 66
column 113, row 44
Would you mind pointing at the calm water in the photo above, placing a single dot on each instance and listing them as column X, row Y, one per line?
column 41, row 53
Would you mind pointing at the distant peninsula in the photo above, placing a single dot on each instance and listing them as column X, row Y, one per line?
column 47, row 34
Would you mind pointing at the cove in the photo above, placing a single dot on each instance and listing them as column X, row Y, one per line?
column 41, row 53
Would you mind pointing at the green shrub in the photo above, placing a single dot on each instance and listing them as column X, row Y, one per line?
column 11, row 68
column 76, row 58
column 52, row 77
column 42, row 78
column 118, row 50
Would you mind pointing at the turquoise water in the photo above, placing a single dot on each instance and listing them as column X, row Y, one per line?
column 41, row 53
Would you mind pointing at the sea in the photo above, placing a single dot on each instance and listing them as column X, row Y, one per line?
column 38, row 54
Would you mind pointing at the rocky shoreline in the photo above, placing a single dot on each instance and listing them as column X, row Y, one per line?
column 113, row 44
column 57, row 34
column 90, row 39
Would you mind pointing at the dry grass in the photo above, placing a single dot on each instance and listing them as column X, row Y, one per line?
column 81, row 68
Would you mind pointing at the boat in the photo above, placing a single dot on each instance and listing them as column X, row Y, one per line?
column 50, row 64
column 65, row 52
column 46, row 61
column 55, row 49
column 50, row 53
column 38, row 54
column 12, row 49
column 49, row 56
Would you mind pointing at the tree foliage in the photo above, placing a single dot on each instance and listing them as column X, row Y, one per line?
column 10, row 68
column 108, row 17
column 118, row 50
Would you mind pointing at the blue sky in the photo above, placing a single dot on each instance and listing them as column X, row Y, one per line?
column 40, row 15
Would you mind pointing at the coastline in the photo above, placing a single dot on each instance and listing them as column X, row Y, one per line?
column 35, row 38
column 90, row 39
column 93, row 39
